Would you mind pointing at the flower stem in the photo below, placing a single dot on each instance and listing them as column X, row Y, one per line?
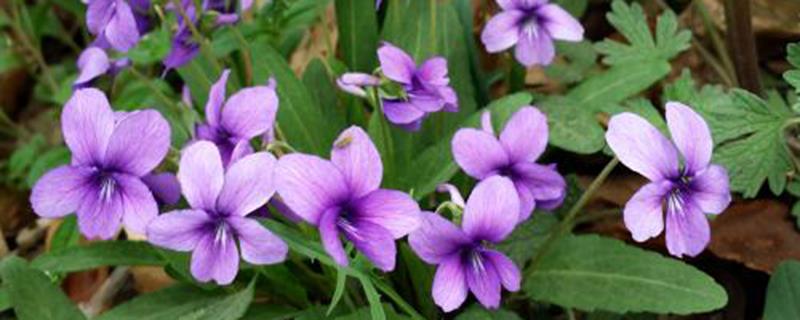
column 568, row 222
column 205, row 49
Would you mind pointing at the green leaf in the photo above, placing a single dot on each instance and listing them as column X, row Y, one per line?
column 619, row 82
column 323, row 88
column 477, row 312
column 573, row 126
column 67, row 234
column 152, row 48
column 22, row 158
column 420, row 276
column 375, row 307
column 5, row 302
column 184, row 302
column 793, row 56
column 753, row 151
column 580, row 58
column 98, row 254
column 783, row 292
column 358, row 33
column 631, row 21
column 365, row 314
column 338, row 293
column 281, row 281
column 32, row 294
column 259, row 311
column 796, row 213
column 301, row 121
column 522, row 244
column 314, row 251
column 595, row 273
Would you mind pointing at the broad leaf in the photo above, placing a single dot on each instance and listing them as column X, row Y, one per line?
column 33, row 295
column 631, row 21
column 301, row 120
column 98, row 254
column 783, row 292
column 477, row 312
column 184, row 302
column 522, row 244
column 358, row 33
column 595, row 273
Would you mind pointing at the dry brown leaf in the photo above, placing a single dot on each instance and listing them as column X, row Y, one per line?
column 758, row 233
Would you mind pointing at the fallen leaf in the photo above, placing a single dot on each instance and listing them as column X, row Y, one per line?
column 759, row 233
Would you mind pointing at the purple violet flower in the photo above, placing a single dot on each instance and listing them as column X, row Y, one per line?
column 164, row 186
column 94, row 62
column 245, row 115
column 184, row 48
column 531, row 26
column 220, row 200
column 425, row 89
column 354, row 83
column 117, row 24
column 688, row 191
column 103, row 184
column 464, row 256
column 343, row 196
column 481, row 155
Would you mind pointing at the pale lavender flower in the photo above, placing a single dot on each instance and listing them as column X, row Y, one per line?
column 103, row 184
column 481, row 155
column 117, row 24
column 342, row 196
column 248, row 113
column 531, row 26
column 220, row 200
column 94, row 62
column 466, row 262
column 688, row 190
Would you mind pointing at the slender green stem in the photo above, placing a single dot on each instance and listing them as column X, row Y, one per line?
column 434, row 38
column 205, row 48
column 394, row 296
column 723, row 74
column 33, row 50
column 245, row 50
column 568, row 222
column 717, row 42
